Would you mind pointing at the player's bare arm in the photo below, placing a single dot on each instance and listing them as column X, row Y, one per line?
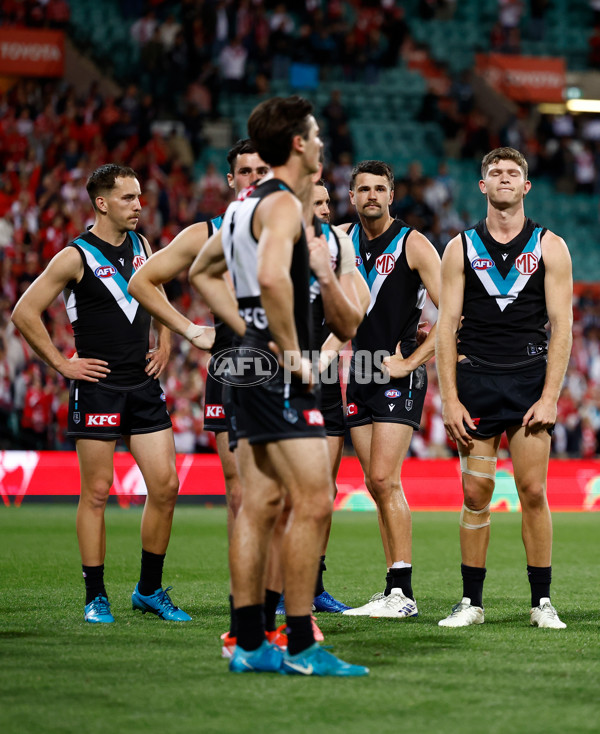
column 422, row 257
column 64, row 268
column 146, row 285
column 207, row 276
column 558, row 288
column 454, row 413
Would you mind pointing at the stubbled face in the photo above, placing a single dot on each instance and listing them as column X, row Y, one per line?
column 321, row 203
column 372, row 196
column 504, row 184
column 248, row 169
column 122, row 204
column 313, row 146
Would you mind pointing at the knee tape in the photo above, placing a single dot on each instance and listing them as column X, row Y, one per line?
column 474, row 519
column 467, row 464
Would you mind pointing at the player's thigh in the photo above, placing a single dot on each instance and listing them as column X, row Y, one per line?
column 361, row 441
column 389, row 445
column 262, row 488
column 530, row 453
column 154, row 453
column 335, row 445
column 226, row 456
column 96, row 470
column 302, row 465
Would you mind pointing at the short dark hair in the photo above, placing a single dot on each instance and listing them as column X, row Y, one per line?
column 104, row 179
column 274, row 123
column 504, row 154
column 242, row 147
column 377, row 168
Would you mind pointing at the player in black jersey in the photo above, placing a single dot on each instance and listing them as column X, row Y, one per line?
column 246, row 167
column 114, row 384
column 505, row 278
column 281, row 441
column 388, row 379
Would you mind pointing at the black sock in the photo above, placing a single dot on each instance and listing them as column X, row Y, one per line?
column 540, row 578
column 271, row 601
column 319, row 588
column 250, row 626
column 232, row 618
column 400, row 578
column 93, row 577
column 151, row 572
column 473, row 578
column 300, row 634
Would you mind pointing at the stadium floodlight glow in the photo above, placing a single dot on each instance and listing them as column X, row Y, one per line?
column 583, row 105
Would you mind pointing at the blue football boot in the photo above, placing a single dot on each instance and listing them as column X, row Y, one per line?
column 265, row 659
column 281, row 606
column 160, row 604
column 98, row 610
column 324, row 602
column 316, row 661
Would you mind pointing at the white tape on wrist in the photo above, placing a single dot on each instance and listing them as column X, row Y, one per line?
column 192, row 331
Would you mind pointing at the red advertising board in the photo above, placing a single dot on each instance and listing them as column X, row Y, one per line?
column 27, row 52
column 430, row 484
column 524, row 78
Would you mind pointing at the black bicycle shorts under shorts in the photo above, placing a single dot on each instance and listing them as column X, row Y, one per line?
column 496, row 398
column 101, row 410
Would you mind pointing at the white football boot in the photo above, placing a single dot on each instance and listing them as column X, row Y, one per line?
column 374, row 603
column 546, row 616
column 396, row 606
column 463, row 614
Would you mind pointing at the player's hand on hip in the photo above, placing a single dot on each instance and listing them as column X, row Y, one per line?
column 396, row 366
column 421, row 333
column 456, row 420
column 319, row 256
column 540, row 417
column 156, row 362
column 85, row 368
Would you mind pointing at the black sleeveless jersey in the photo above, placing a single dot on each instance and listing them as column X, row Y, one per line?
column 504, row 305
column 397, row 294
column 320, row 330
column 224, row 336
column 240, row 247
column 108, row 323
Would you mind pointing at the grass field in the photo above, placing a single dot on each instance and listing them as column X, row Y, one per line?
column 59, row 674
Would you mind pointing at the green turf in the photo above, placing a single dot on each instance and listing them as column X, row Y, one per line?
column 59, row 674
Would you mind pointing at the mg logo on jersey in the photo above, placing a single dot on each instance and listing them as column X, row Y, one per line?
column 527, row 263
column 359, row 261
column 138, row 261
column 313, row 417
column 105, row 271
column 102, row 419
column 214, row 411
column 385, row 264
column 482, row 263
column 392, row 393
column 352, row 409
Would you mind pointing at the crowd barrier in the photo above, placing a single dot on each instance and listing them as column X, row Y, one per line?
column 429, row 484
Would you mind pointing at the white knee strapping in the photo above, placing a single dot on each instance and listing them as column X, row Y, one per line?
column 464, row 466
column 481, row 515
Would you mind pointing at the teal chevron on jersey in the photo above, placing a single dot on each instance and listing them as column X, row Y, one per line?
column 504, row 289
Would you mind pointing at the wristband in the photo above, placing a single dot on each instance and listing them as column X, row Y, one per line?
column 192, row 331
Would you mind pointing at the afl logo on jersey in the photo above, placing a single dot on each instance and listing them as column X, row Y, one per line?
column 392, row 393
column 105, row 271
column 385, row 264
column 527, row 263
column 138, row 261
column 482, row 263
column 359, row 261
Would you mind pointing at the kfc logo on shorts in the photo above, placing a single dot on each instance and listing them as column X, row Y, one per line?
column 105, row 271
column 313, row 417
column 482, row 263
column 214, row 411
column 138, row 261
column 527, row 263
column 102, row 419
column 359, row 261
column 385, row 264
column 352, row 409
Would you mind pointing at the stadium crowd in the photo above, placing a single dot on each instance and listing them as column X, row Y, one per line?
column 51, row 138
